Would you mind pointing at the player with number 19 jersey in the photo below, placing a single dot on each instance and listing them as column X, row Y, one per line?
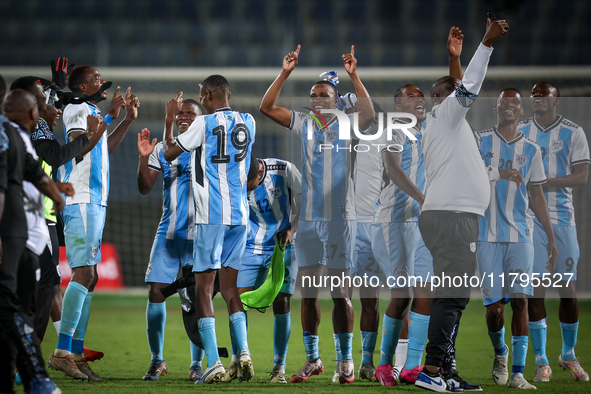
column 221, row 144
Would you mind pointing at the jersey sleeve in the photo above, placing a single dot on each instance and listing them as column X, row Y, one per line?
column 194, row 136
column 293, row 178
column 154, row 158
column 537, row 174
column 297, row 122
column 74, row 118
column 455, row 107
column 579, row 153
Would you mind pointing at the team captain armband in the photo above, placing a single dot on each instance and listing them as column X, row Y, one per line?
column 465, row 97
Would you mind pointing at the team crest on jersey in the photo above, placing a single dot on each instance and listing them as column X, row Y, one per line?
column 557, row 145
column 485, row 292
column 401, row 271
column 521, row 160
column 331, row 135
column 472, row 247
column 275, row 192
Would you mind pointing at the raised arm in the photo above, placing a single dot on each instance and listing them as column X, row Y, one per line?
column 365, row 105
column 540, row 208
column 393, row 167
column 146, row 177
column 170, row 148
column 132, row 104
column 269, row 105
column 454, row 48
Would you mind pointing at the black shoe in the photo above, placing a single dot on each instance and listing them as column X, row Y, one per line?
column 454, row 382
column 157, row 368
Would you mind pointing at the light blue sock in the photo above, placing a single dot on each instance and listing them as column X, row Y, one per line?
column 569, row 339
column 418, row 330
column 498, row 341
column 196, row 354
column 368, row 346
column 281, row 333
column 235, row 350
column 72, row 310
column 238, row 321
column 537, row 332
column 209, row 340
column 519, row 345
column 390, row 333
column 80, row 333
column 155, row 322
column 346, row 341
column 311, row 346
column 337, row 346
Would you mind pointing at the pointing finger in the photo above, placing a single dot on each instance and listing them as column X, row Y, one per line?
column 297, row 51
column 352, row 50
column 127, row 93
column 180, row 95
column 117, row 92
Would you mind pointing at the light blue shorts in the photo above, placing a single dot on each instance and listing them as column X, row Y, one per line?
column 568, row 251
column 253, row 271
column 218, row 245
column 326, row 243
column 167, row 257
column 509, row 263
column 363, row 261
column 423, row 263
column 394, row 246
column 83, row 233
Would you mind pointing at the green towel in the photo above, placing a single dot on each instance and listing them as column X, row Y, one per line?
column 263, row 297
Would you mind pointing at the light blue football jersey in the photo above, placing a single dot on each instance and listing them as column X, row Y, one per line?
column 178, row 208
column 505, row 219
column 220, row 146
column 327, row 177
column 90, row 174
column 563, row 145
column 395, row 205
column 270, row 204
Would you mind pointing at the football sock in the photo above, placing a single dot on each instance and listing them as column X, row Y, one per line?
column 346, row 341
column 196, row 354
column 418, row 330
column 72, row 309
column 390, row 333
column 235, row 349
column 337, row 346
column 368, row 345
column 519, row 345
column 498, row 341
column 210, row 343
column 56, row 325
column 569, row 339
column 156, row 320
column 281, row 333
column 80, row 333
column 537, row 332
column 311, row 346
column 238, row 321
column 400, row 356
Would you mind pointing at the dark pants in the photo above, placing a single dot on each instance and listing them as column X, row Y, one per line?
column 48, row 262
column 16, row 325
column 451, row 238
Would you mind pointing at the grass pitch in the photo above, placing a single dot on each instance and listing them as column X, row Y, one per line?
column 118, row 328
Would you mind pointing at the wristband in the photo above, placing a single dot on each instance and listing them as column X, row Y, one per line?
column 107, row 119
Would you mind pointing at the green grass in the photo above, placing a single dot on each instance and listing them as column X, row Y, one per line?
column 118, row 328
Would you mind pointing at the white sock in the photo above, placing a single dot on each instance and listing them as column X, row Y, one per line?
column 401, row 350
column 56, row 324
column 234, row 358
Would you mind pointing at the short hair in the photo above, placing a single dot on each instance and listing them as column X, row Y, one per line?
column 215, row 82
column 77, row 77
column 197, row 104
column 441, row 83
column 332, row 86
column 398, row 93
column 510, row 89
column 25, row 83
column 551, row 84
column 253, row 171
